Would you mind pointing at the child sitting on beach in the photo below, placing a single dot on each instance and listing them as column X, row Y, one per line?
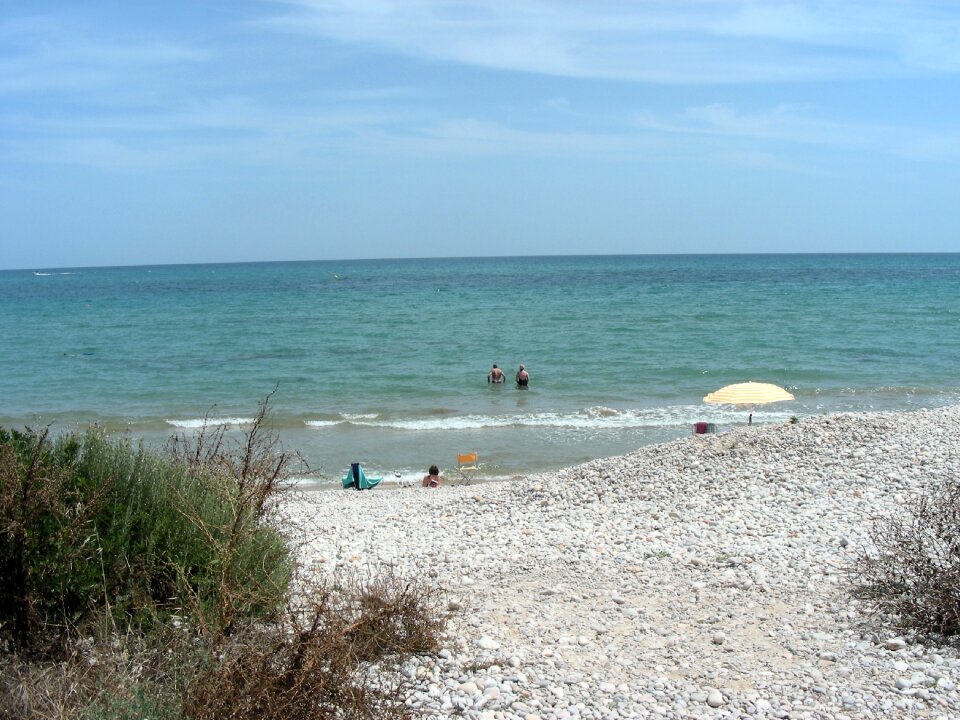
column 433, row 479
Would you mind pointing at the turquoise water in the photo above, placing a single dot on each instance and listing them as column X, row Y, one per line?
column 385, row 362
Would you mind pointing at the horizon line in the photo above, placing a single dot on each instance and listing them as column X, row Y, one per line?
column 470, row 257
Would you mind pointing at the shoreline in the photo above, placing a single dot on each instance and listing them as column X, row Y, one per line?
column 389, row 485
column 700, row 576
column 323, row 483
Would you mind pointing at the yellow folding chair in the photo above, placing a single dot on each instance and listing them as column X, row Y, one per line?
column 467, row 465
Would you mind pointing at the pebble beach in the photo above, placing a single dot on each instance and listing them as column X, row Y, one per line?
column 701, row 578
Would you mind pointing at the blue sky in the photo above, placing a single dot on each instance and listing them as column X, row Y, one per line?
column 167, row 132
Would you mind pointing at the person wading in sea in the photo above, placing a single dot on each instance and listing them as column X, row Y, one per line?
column 495, row 375
column 523, row 377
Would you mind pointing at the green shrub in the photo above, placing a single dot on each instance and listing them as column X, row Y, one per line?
column 94, row 526
column 48, row 550
column 175, row 560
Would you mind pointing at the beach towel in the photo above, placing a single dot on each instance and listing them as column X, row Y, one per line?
column 356, row 478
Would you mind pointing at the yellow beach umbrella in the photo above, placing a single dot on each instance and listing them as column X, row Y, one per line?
column 748, row 393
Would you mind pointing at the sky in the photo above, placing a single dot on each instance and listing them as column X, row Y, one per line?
column 247, row 130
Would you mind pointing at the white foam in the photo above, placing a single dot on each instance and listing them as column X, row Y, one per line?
column 194, row 423
column 464, row 422
column 321, row 423
column 355, row 418
column 594, row 418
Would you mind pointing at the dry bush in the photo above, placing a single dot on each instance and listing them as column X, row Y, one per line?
column 912, row 578
column 40, row 691
column 122, row 678
column 337, row 657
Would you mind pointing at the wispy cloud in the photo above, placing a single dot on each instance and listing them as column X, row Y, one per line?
column 127, row 97
column 787, row 125
column 230, row 130
column 50, row 53
column 93, row 152
column 473, row 137
column 659, row 41
column 246, row 132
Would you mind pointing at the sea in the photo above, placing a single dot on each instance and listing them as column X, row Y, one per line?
column 385, row 362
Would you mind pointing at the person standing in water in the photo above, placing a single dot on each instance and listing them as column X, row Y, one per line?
column 523, row 377
column 495, row 375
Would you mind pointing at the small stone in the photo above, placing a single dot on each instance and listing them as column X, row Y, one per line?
column 895, row 644
column 488, row 643
column 714, row 698
column 492, row 692
column 718, row 639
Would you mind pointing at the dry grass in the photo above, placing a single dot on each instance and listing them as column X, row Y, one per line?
column 336, row 657
column 123, row 677
column 912, row 576
column 41, row 691
column 338, row 654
